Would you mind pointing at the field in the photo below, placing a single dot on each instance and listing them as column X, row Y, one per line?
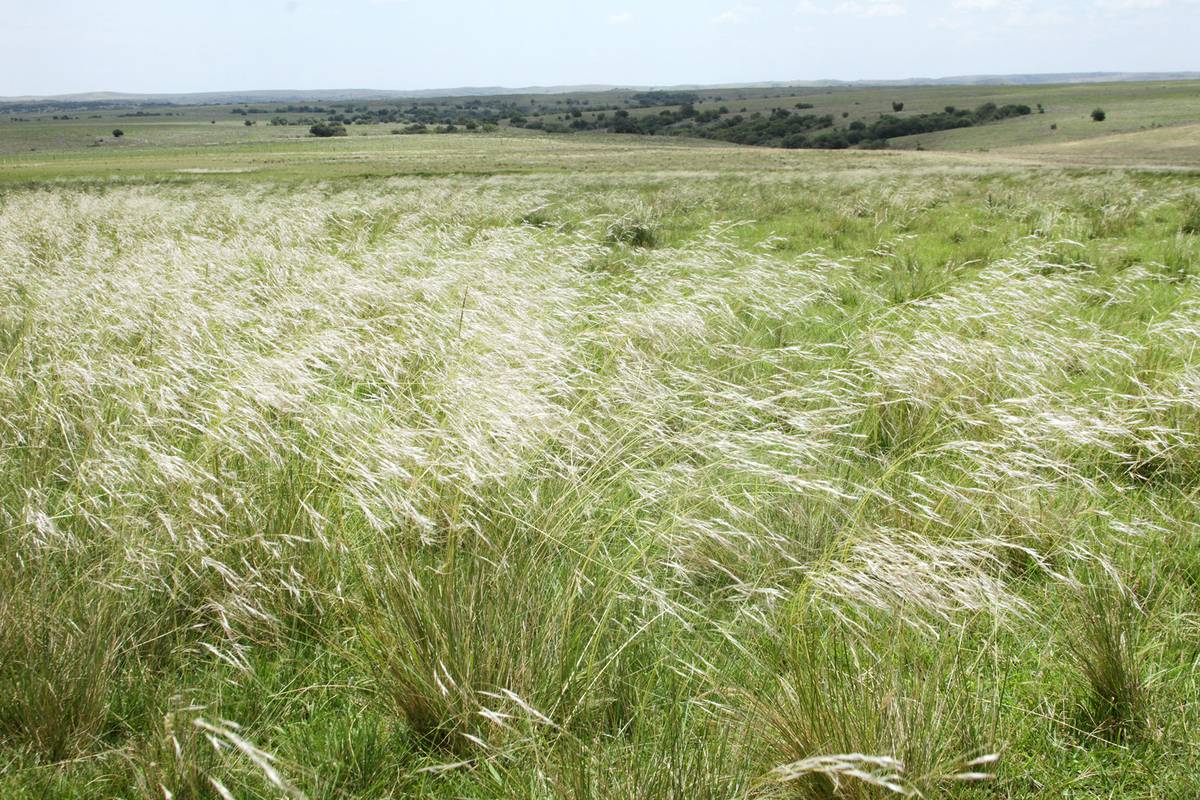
column 525, row 466
column 1148, row 124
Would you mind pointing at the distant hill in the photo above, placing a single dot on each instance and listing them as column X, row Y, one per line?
column 334, row 95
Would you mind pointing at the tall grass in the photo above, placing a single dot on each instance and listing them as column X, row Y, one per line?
column 640, row 485
column 1105, row 639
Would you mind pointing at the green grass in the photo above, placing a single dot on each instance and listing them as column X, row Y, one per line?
column 539, row 467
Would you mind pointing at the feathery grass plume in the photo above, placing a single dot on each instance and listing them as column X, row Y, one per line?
column 173, row 760
column 930, row 585
column 1104, row 635
column 226, row 740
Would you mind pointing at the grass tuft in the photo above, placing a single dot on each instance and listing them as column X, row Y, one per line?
column 854, row 717
column 1105, row 640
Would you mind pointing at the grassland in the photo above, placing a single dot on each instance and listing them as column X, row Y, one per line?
column 1152, row 118
column 589, row 467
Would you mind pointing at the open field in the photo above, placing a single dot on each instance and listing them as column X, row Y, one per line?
column 377, row 156
column 42, row 144
column 525, row 466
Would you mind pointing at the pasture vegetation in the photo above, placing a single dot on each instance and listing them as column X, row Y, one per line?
column 647, row 470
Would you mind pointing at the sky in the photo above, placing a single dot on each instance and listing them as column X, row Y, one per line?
column 65, row 46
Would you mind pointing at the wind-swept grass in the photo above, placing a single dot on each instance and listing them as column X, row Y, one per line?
column 637, row 484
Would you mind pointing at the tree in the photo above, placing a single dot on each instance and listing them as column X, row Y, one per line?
column 897, row 106
column 326, row 129
column 1098, row 115
column 118, row 133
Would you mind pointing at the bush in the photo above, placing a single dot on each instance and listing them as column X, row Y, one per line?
column 325, row 130
column 897, row 107
column 1098, row 115
column 118, row 133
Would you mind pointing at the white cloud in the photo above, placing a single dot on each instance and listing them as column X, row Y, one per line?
column 736, row 15
column 1016, row 13
column 621, row 18
column 1133, row 5
column 865, row 9
column 978, row 5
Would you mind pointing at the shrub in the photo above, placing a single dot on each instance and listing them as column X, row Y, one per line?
column 118, row 133
column 897, row 107
column 1098, row 115
column 325, row 130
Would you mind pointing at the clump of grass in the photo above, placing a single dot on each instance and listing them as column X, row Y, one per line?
column 683, row 751
column 1190, row 224
column 59, row 660
column 637, row 227
column 484, row 640
column 857, row 717
column 173, row 759
column 1104, row 640
column 539, row 217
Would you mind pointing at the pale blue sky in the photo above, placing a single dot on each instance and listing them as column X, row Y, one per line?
column 58, row 46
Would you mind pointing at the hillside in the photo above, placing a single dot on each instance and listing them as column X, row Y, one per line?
column 334, row 95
